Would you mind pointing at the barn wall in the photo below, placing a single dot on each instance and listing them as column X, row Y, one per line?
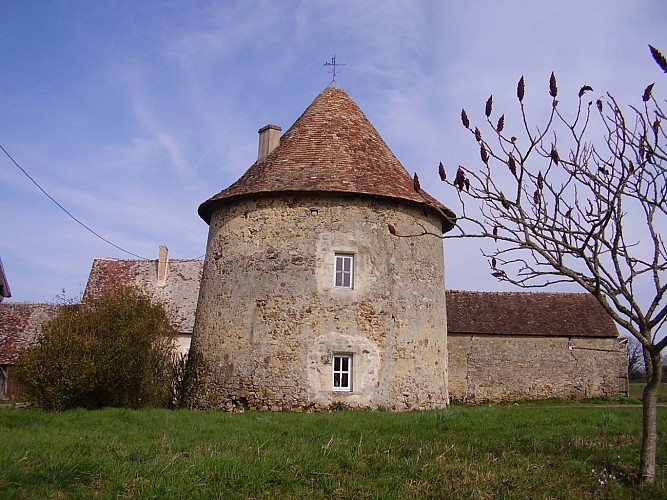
column 505, row 367
column 269, row 318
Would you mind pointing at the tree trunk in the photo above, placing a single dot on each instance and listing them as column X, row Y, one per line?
column 649, row 418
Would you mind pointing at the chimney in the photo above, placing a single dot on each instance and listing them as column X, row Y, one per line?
column 269, row 138
column 162, row 264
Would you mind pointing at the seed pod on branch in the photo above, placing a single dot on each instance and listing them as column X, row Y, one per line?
column 659, row 58
column 464, row 119
column 553, row 89
column 649, row 154
column 554, row 154
column 415, row 182
column 540, row 181
column 599, row 105
column 467, row 183
column 503, row 201
column 511, row 163
column 520, row 89
column 493, row 263
column 442, row 172
column 656, row 126
column 537, row 197
column 483, row 154
column 584, row 89
column 564, row 239
column 489, row 106
column 478, row 135
column 647, row 92
column 460, row 179
column 495, row 233
column 501, row 123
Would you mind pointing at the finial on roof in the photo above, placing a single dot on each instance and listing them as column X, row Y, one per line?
column 335, row 65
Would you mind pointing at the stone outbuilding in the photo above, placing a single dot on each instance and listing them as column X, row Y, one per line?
column 506, row 346
column 306, row 299
column 174, row 283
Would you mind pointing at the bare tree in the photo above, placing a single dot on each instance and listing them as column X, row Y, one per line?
column 579, row 198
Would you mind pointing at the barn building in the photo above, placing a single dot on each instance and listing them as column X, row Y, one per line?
column 508, row 346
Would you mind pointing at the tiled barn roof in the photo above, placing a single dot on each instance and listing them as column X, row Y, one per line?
column 332, row 147
column 179, row 293
column 20, row 325
column 521, row 313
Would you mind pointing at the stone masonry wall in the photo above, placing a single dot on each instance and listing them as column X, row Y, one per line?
column 511, row 367
column 269, row 318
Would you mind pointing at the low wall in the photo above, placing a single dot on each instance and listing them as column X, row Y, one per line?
column 513, row 367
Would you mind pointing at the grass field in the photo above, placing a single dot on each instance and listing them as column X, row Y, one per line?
column 508, row 451
column 637, row 388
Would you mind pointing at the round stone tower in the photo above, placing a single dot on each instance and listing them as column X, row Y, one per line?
column 306, row 298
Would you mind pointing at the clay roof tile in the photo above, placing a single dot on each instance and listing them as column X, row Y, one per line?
column 521, row 313
column 332, row 147
column 20, row 326
column 179, row 293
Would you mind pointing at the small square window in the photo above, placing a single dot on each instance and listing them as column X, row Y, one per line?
column 344, row 276
column 342, row 372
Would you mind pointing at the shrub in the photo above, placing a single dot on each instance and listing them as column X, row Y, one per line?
column 181, row 380
column 116, row 350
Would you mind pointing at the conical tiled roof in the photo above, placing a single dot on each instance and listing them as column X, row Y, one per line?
column 332, row 147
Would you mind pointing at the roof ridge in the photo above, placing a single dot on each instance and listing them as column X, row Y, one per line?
column 171, row 259
column 27, row 303
column 519, row 292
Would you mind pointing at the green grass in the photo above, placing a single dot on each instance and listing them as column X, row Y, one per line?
column 637, row 388
column 504, row 451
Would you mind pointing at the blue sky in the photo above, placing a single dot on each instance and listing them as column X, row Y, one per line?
column 131, row 114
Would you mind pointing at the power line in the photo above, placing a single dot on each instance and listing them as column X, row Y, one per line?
column 65, row 210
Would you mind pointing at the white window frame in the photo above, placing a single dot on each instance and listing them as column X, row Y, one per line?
column 342, row 372
column 340, row 273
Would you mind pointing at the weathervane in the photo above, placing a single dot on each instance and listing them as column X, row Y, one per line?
column 334, row 64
